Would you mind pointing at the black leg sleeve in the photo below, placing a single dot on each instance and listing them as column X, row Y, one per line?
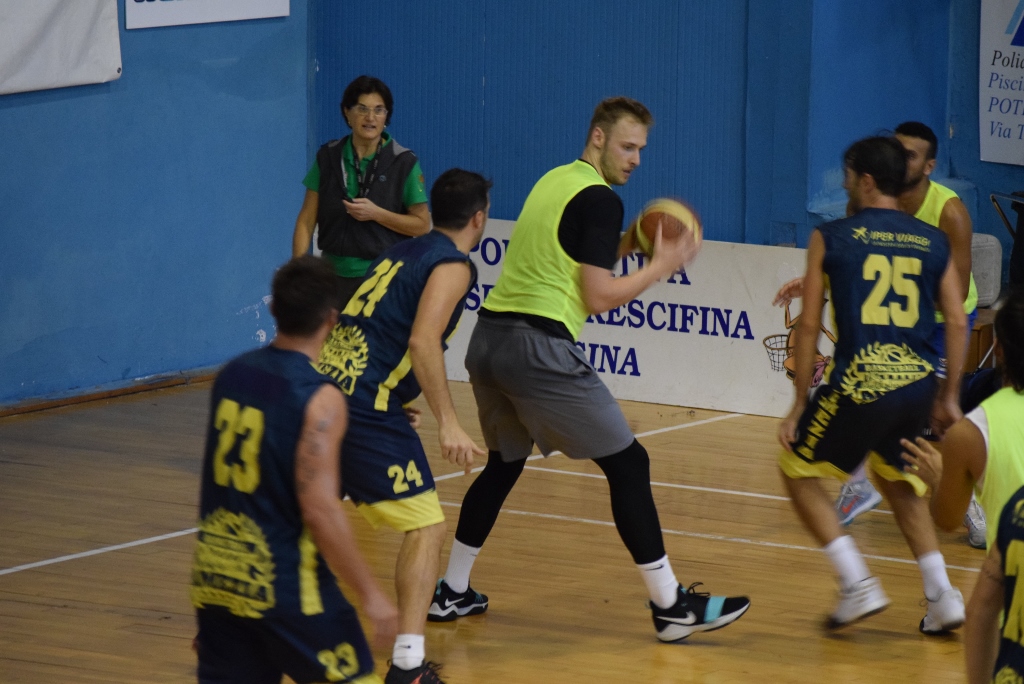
column 636, row 518
column 483, row 500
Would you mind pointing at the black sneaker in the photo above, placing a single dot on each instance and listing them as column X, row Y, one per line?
column 447, row 605
column 696, row 611
column 424, row 674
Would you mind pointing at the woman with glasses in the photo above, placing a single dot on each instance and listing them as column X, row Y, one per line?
column 365, row 191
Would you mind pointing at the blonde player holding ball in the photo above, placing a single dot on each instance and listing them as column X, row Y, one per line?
column 534, row 386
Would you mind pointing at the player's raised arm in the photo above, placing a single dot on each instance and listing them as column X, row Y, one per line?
column 445, row 290
column 317, row 483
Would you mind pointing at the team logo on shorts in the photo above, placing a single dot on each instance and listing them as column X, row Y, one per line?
column 879, row 368
column 233, row 566
column 344, row 356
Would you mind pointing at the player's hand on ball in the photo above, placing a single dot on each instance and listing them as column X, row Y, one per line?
column 670, row 256
column 458, row 447
column 361, row 209
column 922, row 460
column 384, row 617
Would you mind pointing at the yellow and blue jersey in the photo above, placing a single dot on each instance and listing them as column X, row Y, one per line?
column 367, row 353
column 1010, row 541
column 887, row 268
column 253, row 555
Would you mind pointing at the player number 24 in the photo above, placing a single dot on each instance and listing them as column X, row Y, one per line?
column 365, row 300
column 233, row 421
column 403, row 477
column 891, row 274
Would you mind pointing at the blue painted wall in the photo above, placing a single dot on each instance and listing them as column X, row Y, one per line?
column 508, row 89
column 876, row 63
column 140, row 220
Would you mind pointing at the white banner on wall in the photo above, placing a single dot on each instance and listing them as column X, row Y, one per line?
column 150, row 13
column 1001, row 81
column 708, row 339
column 56, row 43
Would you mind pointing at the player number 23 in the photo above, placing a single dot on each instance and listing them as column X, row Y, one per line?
column 233, row 421
column 339, row 664
column 403, row 476
column 892, row 275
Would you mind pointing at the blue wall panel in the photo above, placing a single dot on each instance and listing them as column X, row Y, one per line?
column 875, row 64
column 508, row 89
column 141, row 219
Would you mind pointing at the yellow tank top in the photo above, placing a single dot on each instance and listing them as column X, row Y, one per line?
column 1004, row 469
column 538, row 277
column 930, row 212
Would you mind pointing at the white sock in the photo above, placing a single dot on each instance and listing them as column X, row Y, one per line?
column 460, row 564
column 408, row 652
column 661, row 582
column 858, row 475
column 847, row 561
column 933, row 574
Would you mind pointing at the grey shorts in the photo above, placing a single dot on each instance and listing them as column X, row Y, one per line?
column 534, row 388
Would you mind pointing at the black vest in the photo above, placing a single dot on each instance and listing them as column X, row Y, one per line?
column 342, row 235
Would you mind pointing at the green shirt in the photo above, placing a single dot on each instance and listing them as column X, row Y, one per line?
column 414, row 191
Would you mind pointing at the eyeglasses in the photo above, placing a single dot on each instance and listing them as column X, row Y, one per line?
column 363, row 110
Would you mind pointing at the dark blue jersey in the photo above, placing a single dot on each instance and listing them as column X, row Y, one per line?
column 1010, row 541
column 883, row 268
column 253, row 555
column 368, row 350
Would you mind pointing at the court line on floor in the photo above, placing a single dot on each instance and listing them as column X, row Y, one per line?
column 682, row 426
column 96, row 552
column 710, row 537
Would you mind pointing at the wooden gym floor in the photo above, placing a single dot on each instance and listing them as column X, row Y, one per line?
column 567, row 605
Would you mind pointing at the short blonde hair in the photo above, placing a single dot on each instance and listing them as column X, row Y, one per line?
column 609, row 111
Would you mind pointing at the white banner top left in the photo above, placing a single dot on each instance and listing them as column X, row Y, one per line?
column 56, row 43
column 151, row 13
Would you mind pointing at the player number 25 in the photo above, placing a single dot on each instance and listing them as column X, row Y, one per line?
column 364, row 301
column 893, row 275
column 403, row 477
column 233, row 421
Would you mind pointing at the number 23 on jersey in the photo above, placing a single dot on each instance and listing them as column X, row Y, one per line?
column 234, row 421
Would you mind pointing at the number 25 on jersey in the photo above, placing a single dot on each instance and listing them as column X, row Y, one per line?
column 891, row 275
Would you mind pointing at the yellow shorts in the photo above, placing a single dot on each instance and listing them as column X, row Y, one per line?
column 404, row 515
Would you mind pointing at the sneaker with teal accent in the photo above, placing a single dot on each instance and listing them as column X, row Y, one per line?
column 696, row 611
column 448, row 605
column 856, row 498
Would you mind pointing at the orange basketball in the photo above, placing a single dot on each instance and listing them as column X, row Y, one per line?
column 676, row 218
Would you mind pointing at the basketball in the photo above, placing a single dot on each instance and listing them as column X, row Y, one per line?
column 676, row 218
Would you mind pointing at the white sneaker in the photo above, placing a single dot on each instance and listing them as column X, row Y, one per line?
column 862, row 600
column 944, row 614
column 974, row 520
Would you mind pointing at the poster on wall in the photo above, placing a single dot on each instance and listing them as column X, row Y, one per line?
column 1001, row 81
column 151, row 13
column 708, row 338
column 55, row 43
